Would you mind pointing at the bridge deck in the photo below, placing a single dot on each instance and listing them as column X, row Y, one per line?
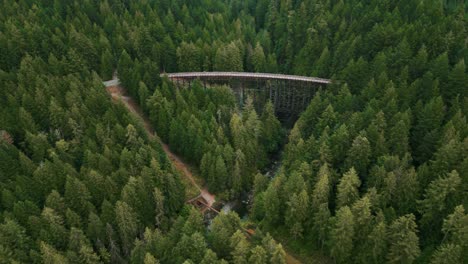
column 244, row 75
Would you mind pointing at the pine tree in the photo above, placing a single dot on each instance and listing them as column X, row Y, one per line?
column 158, row 206
column 258, row 58
column 77, row 195
column 419, row 63
column 447, row 254
column 296, row 215
column 403, row 240
column 240, row 247
column 348, row 189
column 229, row 58
column 221, row 175
column 107, row 65
column 50, row 255
column 150, row 259
column 191, row 247
column 127, row 223
column 399, row 138
column 95, row 228
column 457, row 82
column 439, row 199
column 440, row 68
column 143, row 93
column 278, row 256
column 188, row 57
column 342, row 235
column 426, row 129
column 455, row 227
column 377, row 242
column 124, row 67
column 209, row 258
column 271, row 128
column 87, row 255
column 194, row 222
column 319, row 205
column 238, row 171
column 363, row 218
column 272, row 205
column 359, row 155
column 222, row 229
column 339, row 144
column 258, row 256
column 321, row 220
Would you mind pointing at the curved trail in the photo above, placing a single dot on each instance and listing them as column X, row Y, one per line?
column 118, row 93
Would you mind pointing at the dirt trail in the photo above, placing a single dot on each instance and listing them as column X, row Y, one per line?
column 118, row 93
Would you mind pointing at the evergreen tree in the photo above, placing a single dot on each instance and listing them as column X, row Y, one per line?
column 258, row 58
column 348, row 189
column 229, row 58
column 127, row 222
column 359, row 155
column 278, row 256
column 271, row 129
column 342, row 234
column 438, row 199
column 258, row 256
column 448, row 254
column 455, row 227
column 403, row 241
column 210, row 257
column 240, row 247
column 107, row 65
column 77, row 195
column 188, row 57
column 50, row 255
column 272, row 205
column 150, row 259
column 159, row 206
column 377, row 242
column 296, row 216
column 457, row 82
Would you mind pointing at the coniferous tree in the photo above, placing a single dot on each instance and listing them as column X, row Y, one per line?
column 348, row 189
column 342, row 234
column 258, row 58
column 439, row 199
column 229, row 58
column 403, row 240
column 359, row 154
column 258, row 256
column 127, row 222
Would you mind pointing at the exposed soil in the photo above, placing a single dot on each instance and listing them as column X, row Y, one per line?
column 118, row 93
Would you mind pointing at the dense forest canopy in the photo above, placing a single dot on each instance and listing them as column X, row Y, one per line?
column 375, row 169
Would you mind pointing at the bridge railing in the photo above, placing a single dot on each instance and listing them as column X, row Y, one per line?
column 244, row 75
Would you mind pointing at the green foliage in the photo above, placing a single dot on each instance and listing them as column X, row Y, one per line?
column 403, row 241
column 228, row 58
column 439, row 199
column 342, row 235
column 75, row 165
column 348, row 189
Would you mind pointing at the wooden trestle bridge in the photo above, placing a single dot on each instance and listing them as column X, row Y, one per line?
column 290, row 94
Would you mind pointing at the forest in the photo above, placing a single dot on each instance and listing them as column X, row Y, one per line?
column 375, row 170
